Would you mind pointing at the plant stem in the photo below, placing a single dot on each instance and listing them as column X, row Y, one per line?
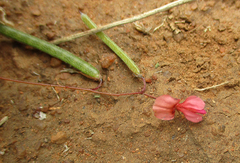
column 87, row 69
column 83, row 89
column 112, row 45
column 121, row 22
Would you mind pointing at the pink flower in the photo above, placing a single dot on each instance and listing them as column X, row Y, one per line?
column 165, row 106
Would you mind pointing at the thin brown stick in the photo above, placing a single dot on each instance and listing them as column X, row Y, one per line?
column 121, row 22
column 82, row 89
column 214, row 86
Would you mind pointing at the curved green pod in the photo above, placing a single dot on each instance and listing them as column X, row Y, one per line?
column 53, row 50
column 121, row 54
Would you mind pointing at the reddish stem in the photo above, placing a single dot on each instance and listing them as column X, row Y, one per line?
column 84, row 89
column 99, row 85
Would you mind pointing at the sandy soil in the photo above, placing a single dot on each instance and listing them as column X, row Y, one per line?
column 85, row 128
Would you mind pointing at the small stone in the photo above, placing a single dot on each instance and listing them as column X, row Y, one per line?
column 81, row 123
column 115, row 127
column 53, row 112
column 167, row 36
column 22, row 105
column 148, row 80
column 35, row 11
column 107, row 60
column 45, row 109
column 222, row 49
column 154, row 77
column 99, row 137
column 147, row 133
column 67, row 121
column 42, row 116
column 214, row 131
column 65, row 76
column 221, row 28
column 199, row 61
column 81, row 151
column 59, row 138
column 50, row 35
column 194, row 6
column 180, row 154
column 55, row 62
column 40, row 125
column 220, row 39
column 38, row 145
column 178, row 37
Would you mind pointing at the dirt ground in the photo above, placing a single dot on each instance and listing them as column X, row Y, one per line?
column 197, row 46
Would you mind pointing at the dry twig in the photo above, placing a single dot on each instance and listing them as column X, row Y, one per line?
column 121, row 22
column 3, row 19
column 214, row 86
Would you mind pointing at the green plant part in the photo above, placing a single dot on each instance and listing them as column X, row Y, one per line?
column 53, row 50
column 128, row 61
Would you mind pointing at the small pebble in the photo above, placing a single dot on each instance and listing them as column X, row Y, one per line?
column 40, row 125
column 67, row 121
column 194, row 6
column 55, row 62
column 59, row 138
column 53, row 112
column 81, row 150
column 65, row 76
column 115, row 127
column 35, row 11
column 148, row 80
column 178, row 37
column 167, row 36
column 42, row 116
column 38, row 145
column 222, row 49
column 81, row 123
column 147, row 133
column 180, row 154
column 154, row 77
column 221, row 28
column 50, row 35
column 45, row 109
column 107, row 60
column 214, row 131
column 22, row 105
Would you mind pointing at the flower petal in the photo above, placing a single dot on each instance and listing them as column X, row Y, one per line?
column 194, row 104
column 191, row 116
column 164, row 107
